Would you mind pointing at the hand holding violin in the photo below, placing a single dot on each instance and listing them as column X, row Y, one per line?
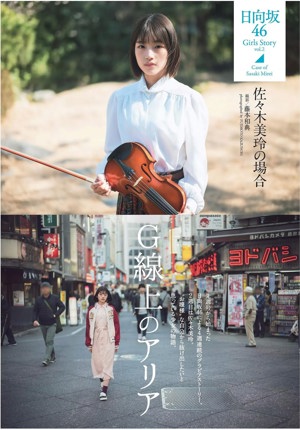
column 101, row 186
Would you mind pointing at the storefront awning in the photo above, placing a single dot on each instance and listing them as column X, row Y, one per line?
column 260, row 232
column 209, row 249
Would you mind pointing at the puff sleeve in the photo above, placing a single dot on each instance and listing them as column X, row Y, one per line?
column 113, row 138
column 195, row 166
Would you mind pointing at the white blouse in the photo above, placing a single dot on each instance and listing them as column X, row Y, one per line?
column 170, row 119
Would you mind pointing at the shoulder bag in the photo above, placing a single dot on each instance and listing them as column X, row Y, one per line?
column 58, row 322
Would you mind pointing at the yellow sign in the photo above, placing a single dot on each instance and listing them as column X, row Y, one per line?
column 186, row 252
column 180, row 267
column 63, row 319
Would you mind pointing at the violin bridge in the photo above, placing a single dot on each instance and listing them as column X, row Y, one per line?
column 138, row 181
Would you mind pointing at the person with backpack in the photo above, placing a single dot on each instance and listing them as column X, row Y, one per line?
column 45, row 312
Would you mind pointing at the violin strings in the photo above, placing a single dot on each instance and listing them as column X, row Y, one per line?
column 155, row 197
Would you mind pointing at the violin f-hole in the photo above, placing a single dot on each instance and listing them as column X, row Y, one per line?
column 144, row 167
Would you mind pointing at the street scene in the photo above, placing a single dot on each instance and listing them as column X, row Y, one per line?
column 205, row 314
column 241, row 388
column 186, row 313
column 61, row 118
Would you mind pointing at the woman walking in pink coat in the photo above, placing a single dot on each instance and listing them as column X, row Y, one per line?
column 102, row 338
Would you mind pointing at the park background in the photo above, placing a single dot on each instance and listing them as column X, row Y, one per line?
column 62, row 60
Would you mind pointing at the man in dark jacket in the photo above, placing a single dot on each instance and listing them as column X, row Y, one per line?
column 6, row 322
column 259, row 325
column 140, row 310
column 47, row 307
column 116, row 299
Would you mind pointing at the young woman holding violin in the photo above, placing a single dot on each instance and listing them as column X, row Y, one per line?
column 165, row 116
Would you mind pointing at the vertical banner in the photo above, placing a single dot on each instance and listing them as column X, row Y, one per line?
column 186, row 226
column 209, row 284
column 259, row 41
column 63, row 298
column 235, row 300
column 73, row 317
column 51, row 246
column 100, row 246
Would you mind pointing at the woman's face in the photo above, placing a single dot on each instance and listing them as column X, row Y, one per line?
column 102, row 297
column 152, row 59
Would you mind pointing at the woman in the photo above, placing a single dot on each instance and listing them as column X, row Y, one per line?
column 102, row 338
column 167, row 117
column 250, row 315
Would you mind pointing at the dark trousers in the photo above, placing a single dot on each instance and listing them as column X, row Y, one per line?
column 6, row 331
column 154, row 313
column 259, row 325
column 139, row 318
column 164, row 315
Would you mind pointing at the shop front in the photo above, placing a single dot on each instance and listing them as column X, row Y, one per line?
column 261, row 260
column 21, row 272
column 206, row 271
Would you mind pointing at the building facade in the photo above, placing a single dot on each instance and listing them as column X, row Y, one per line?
column 36, row 248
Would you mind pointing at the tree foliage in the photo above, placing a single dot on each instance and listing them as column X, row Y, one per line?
column 61, row 44
column 18, row 43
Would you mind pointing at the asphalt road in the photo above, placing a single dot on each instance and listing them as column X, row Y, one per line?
column 241, row 387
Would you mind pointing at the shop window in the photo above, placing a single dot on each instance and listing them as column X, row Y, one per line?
column 7, row 224
column 25, row 294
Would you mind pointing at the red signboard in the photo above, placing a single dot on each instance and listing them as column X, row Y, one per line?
column 279, row 254
column 51, row 245
column 205, row 265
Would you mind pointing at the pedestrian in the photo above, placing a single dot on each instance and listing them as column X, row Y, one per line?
column 141, row 311
column 116, row 299
column 102, row 338
column 6, row 329
column 154, row 302
column 268, row 302
column 128, row 298
column 165, row 301
column 250, row 315
column 167, row 117
column 45, row 311
column 259, row 325
column 294, row 333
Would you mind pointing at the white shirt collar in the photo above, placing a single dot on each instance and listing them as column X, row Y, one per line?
column 158, row 86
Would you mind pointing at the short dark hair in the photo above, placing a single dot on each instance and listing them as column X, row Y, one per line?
column 105, row 289
column 142, row 286
column 159, row 28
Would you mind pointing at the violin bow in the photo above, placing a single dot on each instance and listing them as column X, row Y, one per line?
column 52, row 166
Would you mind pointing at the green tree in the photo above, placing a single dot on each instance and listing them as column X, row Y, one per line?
column 68, row 43
column 18, row 43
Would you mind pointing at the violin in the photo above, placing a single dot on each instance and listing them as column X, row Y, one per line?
column 130, row 170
